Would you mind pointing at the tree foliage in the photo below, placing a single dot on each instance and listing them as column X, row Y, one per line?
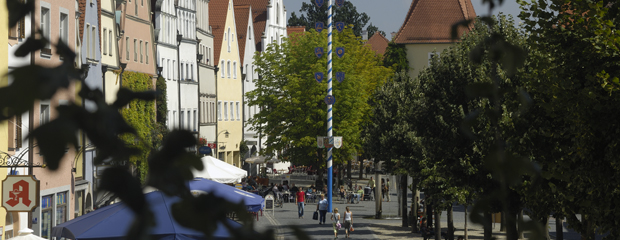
column 573, row 78
column 294, row 112
column 311, row 14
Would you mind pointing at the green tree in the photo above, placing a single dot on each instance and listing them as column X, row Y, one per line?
column 294, row 112
column 395, row 57
column 573, row 78
column 311, row 14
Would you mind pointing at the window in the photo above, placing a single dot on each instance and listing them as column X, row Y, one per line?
column 135, row 6
column 110, row 42
column 105, row 41
column 146, row 52
column 93, row 38
column 250, row 32
column 189, row 119
column 127, row 47
column 235, row 70
column 432, row 55
column 135, row 50
column 45, row 26
column 79, row 203
column 64, row 28
column 45, row 113
column 182, row 72
column 19, row 30
column 182, row 118
column 228, row 69
column 61, row 208
column 195, row 120
column 219, row 110
column 222, row 67
column 141, row 55
column 225, row 111
column 232, row 113
column 87, row 43
column 229, row 40
column 238, row 115
column 46, row 216
column 277, row 13
column 8, row 225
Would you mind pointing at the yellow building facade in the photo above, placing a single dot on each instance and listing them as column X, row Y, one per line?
column 229, row 83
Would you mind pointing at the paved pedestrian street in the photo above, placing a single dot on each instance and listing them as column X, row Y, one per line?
column 366, row 227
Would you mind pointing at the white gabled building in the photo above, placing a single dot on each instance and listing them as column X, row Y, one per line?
column 165, row 19
column 188, row 100
column 206, row 76
column 268, row 25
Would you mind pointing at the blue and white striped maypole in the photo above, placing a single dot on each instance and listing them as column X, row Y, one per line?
column 329, row 106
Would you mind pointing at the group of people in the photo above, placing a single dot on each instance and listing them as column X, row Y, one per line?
column 347, row 224
column 385, row 187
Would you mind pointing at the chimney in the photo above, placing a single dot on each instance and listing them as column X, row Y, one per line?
column 394, row 34
column 364, row 35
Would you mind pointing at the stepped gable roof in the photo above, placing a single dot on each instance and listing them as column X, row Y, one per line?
column 430, row 21
column 217, row 18
column 259, row 15
column 378, row 43
column 295, row 29
column 242, row 14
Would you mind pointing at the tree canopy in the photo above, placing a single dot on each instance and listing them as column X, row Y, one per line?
column 294, row 112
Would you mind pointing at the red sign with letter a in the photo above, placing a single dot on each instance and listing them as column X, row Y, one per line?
column 20, row 193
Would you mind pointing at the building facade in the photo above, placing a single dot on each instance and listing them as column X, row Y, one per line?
column 188, row 84
column 57, row 19
column 427, row 27
column 4, row 81
column 207, row 75
column 165, row 19
column 229, row 86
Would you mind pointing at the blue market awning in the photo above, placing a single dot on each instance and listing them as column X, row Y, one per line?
column 113, row 222
column 253, row 202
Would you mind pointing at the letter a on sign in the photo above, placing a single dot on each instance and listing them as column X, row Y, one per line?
column 20, row 193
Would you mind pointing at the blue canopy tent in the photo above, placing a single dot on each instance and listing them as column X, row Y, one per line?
column 253, row 202
column 113, row 222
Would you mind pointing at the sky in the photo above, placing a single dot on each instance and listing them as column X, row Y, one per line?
column 389, row 15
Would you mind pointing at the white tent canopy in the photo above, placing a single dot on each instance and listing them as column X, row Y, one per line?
column 219, row 171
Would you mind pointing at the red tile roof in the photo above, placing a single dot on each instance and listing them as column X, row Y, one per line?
column 430, row 21
column 295, row 29
column 242, row 14
column 378, row 43
column 259, row 13
column 217, row 18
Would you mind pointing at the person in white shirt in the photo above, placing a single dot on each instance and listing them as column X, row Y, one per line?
column 348, row 221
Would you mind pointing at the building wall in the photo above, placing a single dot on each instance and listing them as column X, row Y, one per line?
column 229, row 90
column 110, row 58
column 418, row 55
column 250, row 136
column 4, row 66
column 207, row 91
column 59, row 181
column 137, row 34
column 275, row 28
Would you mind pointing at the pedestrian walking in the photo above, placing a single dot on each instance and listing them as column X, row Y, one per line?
column 322, row 208
column 300, row 198
column 387, row 189
column 348, row 221
column 382, row 188
column 335, row 222
column 371, row 184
